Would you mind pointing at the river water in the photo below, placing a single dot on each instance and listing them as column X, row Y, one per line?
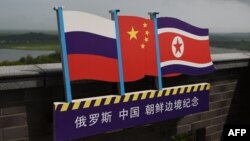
column 14, row 54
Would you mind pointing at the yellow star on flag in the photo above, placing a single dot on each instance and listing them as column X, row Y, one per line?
column 132, row 34
column 147, row 32
column 145, row 25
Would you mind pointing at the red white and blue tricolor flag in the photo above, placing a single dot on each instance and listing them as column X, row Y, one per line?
column 91, row 47
column 184, row 48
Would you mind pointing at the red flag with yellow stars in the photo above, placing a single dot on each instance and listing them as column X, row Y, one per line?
column 137, row 47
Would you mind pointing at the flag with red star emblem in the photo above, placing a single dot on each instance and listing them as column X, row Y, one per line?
column 137, row 47
column 184, row 48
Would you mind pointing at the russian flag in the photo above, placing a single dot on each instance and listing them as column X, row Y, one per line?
column 184, row 48
column 91, row 47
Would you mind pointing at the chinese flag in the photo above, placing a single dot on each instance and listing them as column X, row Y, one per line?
column 137, row 47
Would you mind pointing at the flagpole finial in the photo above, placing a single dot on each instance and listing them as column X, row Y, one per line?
column 156, row 13
column 152, row 14
column 114, row 11
column 57, row 7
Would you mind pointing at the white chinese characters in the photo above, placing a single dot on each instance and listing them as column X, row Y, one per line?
column 93, row 119
column 168, row 106
column 132, row 113
column 80, row 121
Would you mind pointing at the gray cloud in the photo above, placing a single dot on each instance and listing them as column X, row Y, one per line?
column 245, row 1
column 217, row 15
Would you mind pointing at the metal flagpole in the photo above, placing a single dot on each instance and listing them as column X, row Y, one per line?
column 158, row 59
column 64, row 53
column 118, row 44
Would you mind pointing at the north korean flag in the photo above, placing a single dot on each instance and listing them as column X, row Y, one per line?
column 184, row 48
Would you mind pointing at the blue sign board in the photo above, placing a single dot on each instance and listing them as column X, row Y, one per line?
column 91, row 116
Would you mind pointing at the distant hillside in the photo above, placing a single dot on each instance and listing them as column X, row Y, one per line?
column 231, row 40
column 230, row 37
column 28, row 37
column 30, row 41
column 18, row 32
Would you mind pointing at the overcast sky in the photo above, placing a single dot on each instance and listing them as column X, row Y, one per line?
column 217, row 15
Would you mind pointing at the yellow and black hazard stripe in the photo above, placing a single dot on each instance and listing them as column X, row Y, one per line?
column 104, row 101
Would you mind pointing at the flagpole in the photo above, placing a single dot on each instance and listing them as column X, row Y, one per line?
column 64, row 53
column 118, row 44
column 158, row 59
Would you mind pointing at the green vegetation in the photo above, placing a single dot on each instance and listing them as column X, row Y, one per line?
column 30, row 41
column 51, row 58
column 32, row 46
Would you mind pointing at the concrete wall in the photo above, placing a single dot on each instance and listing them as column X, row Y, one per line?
column 27, row 94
